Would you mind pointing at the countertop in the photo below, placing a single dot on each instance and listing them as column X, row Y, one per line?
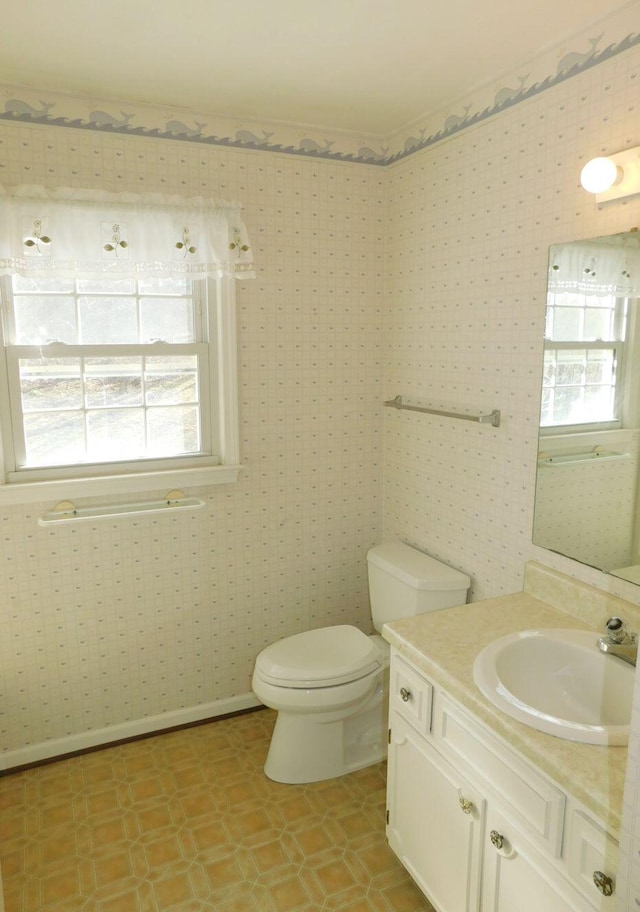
column 444, row 644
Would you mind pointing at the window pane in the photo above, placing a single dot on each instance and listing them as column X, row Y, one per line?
column 549, row 368
column 180, row 285
column 598, row 323
column 43, row 318
column 171, row 380
column 600, row 367
column 570, row 367
column 598, row 402
column 546, row 411
column 173, row 430
column 567, row 324
column 107, row 285
column 108, row 320
column 568, row 405
column 54, row 438
column 50, row 284
column 54, row 383
column 113, row 381
column 114, row 434
column 169, row 319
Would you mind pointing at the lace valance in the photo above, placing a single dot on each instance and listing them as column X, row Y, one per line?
column 600, row 267
column 88, row 233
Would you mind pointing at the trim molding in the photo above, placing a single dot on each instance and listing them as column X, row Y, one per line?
column 25, row 105
column 102, row 737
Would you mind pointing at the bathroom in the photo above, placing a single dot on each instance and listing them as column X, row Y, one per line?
column 425, row 278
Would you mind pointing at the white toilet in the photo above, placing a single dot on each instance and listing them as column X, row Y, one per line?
column 330, row 685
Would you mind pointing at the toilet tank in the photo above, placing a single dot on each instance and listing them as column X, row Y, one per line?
column 404, row 582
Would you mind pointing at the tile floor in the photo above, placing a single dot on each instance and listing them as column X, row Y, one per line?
column 187, row 822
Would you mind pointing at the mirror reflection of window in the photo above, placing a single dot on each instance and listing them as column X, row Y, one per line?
column 590, row 290
column 587, row 503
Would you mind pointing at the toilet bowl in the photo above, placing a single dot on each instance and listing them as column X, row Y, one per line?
column 330, row 685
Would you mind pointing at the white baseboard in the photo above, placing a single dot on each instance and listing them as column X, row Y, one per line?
column 33, row 753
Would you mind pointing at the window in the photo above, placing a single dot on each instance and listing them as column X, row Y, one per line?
column 117, row 364
column 583, row 360
column 592, row 334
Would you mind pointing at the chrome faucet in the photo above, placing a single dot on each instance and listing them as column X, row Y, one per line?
column 619, row 642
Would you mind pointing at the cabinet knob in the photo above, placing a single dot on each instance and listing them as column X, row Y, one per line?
column 405, row 694
column 466, row 805
column 497, row 839
column 603, row 883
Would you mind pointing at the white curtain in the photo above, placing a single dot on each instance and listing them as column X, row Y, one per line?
column 90, row 233
column 600, row 267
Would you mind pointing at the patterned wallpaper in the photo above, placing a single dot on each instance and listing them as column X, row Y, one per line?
column 127, row 620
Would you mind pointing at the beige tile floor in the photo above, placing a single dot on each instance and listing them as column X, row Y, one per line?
column 187, row 822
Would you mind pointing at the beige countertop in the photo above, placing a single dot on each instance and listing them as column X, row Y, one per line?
column 444, row 644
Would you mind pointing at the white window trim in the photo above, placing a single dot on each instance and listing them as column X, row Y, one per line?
column 224, row 390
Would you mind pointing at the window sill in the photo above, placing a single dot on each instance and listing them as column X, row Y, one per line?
column 72, row 488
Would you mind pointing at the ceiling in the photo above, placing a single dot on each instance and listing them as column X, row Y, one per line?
column 366, row 66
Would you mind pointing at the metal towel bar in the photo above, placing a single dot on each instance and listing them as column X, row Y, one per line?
column 493, row 418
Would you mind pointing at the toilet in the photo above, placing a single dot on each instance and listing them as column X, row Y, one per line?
column 330, row 686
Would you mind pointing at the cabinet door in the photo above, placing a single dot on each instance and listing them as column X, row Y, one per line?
column 435, row 821
column 516, row 877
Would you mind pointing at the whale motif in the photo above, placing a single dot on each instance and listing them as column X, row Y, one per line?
column 412, row 141
column 102, row 119
column 16, row 106
column 371, row 155
column 454, row 120
column 310, row 145
column 250, row 139
column 506, row 94
column 177, row 128
column 573, row 58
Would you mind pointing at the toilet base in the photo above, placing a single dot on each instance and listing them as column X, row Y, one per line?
column 310, row 747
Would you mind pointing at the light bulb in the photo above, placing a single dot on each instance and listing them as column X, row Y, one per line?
column 599, row 174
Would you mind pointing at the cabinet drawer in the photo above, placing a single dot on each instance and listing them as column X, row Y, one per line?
column 410, row 694
column 591, row 851
column 528, row 798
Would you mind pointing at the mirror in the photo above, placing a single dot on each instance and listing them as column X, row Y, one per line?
column 587, row 505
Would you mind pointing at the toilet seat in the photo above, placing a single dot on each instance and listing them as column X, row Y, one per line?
column 325, row 657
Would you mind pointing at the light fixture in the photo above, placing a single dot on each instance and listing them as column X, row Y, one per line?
column 614, row 176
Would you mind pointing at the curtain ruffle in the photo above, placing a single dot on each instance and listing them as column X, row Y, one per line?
column 87, row 233
column 600, row 267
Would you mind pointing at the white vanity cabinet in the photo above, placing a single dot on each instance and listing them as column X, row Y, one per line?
column 478, row 827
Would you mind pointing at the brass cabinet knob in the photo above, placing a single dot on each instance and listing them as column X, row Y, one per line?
column 497, row 839
column 405, row 694
column 603, row 883
column 466, row 805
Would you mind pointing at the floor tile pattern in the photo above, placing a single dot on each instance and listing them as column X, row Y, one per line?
column 188, row 822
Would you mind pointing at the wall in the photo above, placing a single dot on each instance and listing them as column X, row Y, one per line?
column 470, row 222
column 114, row 623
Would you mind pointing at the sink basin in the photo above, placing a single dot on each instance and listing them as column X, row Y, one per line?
column 558, row 682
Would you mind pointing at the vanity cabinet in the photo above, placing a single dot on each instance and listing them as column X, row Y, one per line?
column 477, row 826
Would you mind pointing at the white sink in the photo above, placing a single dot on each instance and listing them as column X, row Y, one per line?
column 558, row 682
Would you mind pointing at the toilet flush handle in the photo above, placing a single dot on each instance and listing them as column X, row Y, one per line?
column 405, row 694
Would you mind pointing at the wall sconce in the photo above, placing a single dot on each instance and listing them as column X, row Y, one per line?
column 613, row 177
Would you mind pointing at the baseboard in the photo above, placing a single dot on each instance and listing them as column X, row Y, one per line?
column 46, row 750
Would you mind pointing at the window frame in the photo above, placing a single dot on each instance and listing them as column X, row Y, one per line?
column 619, row 349
column 219, row 413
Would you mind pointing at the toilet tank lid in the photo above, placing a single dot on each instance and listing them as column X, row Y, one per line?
column 416, row 568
